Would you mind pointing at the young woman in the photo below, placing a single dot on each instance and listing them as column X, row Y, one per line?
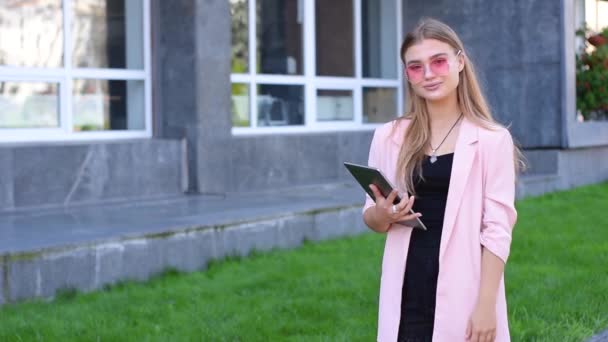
column 458, row 165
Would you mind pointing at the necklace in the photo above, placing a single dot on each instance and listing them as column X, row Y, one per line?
column 434, row 150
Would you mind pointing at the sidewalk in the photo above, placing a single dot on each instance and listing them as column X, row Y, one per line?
column 601, row 337
column 86, row 247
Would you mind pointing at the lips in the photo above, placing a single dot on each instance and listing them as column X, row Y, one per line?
column 432, row 86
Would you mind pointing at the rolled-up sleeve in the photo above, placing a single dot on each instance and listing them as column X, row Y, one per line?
column 499, row 213
column 374, row 161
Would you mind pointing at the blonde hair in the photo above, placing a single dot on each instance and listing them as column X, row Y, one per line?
column 471, row 100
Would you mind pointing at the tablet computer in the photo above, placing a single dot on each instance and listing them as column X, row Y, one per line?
column 366, row 175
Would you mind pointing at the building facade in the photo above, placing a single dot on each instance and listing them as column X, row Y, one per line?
column 124, row 100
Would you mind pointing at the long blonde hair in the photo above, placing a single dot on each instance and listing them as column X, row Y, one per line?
column 471, row 100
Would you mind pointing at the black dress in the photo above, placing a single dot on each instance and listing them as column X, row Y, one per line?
column 422, row 267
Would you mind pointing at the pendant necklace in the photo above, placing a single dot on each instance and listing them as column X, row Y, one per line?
column 434, row 150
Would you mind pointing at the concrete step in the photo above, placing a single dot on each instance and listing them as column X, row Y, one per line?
column 88, row 247
column 537, row 184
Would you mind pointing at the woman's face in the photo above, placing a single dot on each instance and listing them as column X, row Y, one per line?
column 432, row 68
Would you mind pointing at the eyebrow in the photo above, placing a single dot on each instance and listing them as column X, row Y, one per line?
column 433, row 56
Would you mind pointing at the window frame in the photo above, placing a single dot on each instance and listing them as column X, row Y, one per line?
column 575, row 134
column 311, row 82
column 64, row 77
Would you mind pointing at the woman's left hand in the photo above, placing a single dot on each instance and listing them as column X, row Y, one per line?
column 482, row 324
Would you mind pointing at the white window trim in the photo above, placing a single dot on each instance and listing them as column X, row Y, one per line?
column 575, row 134
column 312, row 83
column 64, row 77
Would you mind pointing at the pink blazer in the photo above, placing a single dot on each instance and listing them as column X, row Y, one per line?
column 479, row 212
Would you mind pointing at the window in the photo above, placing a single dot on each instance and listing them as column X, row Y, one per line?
column 74, row 69
column 299, row 65
column 591, row 18
column 596, row 14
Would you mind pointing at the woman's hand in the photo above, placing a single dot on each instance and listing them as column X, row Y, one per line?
column 482, row 324
column 386, row 213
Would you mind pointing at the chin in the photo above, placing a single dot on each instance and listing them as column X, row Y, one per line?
column 438, row 95
column 434, row 96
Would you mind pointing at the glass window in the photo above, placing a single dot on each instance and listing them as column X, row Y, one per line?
column 108, row 105
column 591, row 81
column 379, row 104
column 29, row 104
column 97, row 82
column 31, row 33
column 240, row 105
column 240, row 36
column 280, row 105
column 294, row 90
column 335, row 38
column 596, row 14
column 279, row 37
column 335, row 105
column 379, row 38
column 107, row 34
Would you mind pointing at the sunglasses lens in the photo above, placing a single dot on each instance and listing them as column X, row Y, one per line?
column 440, row 66
column 414, row 73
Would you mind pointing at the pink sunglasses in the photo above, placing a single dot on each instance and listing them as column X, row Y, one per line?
column 440, row 66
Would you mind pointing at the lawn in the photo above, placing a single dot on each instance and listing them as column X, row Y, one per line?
column 557, row 289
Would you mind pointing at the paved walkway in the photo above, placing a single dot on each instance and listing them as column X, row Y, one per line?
column 32, row 230
column 601, row 337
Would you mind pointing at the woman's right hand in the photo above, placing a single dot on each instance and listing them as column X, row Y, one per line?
column 383, row 210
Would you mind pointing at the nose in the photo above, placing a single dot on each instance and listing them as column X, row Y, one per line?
column 428, row 73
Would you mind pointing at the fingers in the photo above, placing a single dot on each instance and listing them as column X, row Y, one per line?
column 404, row 209
column 406, row 204
column 385, row 206
column 379, row 197
column 407, row 216
column 376, row 192
column 467, row 334
column 474, row 335
column 409, row 204
column 391, row 198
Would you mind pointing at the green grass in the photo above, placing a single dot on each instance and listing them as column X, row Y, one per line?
column 557, row 288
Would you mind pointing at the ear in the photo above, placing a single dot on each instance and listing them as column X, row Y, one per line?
column 461, row 62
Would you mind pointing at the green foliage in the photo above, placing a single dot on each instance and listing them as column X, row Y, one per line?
column 592, row 82
column 592, row 79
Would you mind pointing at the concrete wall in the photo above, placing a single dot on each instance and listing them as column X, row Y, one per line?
column 270, row 161
column 576, row 167
column 54, row 174
column 583, row 166
column 192, row 92
column 516, row 46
